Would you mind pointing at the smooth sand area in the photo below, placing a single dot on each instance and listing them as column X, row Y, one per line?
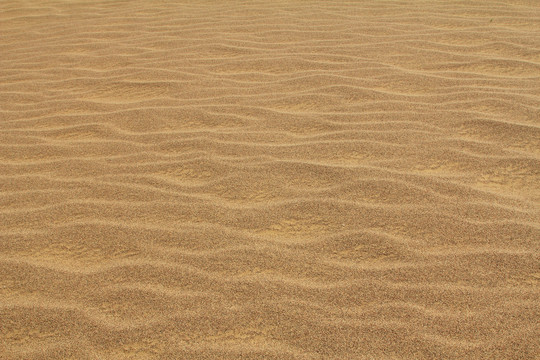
column 269, row 179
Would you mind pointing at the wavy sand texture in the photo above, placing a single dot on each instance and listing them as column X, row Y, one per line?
column 273, row 180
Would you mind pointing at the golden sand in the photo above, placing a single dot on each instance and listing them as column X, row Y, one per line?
column 273, row 180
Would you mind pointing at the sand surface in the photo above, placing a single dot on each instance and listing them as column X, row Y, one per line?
column 273, row 180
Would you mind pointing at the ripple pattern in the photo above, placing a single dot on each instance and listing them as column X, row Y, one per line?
column 269, row 179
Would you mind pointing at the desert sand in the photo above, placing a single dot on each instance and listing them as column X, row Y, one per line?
column 269, row 179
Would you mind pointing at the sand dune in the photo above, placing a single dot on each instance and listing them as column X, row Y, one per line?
column 269, row 179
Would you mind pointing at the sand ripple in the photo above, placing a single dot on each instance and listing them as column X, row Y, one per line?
column 274, row 180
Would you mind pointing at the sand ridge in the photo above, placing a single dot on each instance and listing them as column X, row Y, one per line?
column 269, row 179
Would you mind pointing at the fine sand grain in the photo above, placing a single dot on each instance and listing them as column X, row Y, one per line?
column 269, row 179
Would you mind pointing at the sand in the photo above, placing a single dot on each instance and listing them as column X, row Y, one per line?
column 269, row 180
